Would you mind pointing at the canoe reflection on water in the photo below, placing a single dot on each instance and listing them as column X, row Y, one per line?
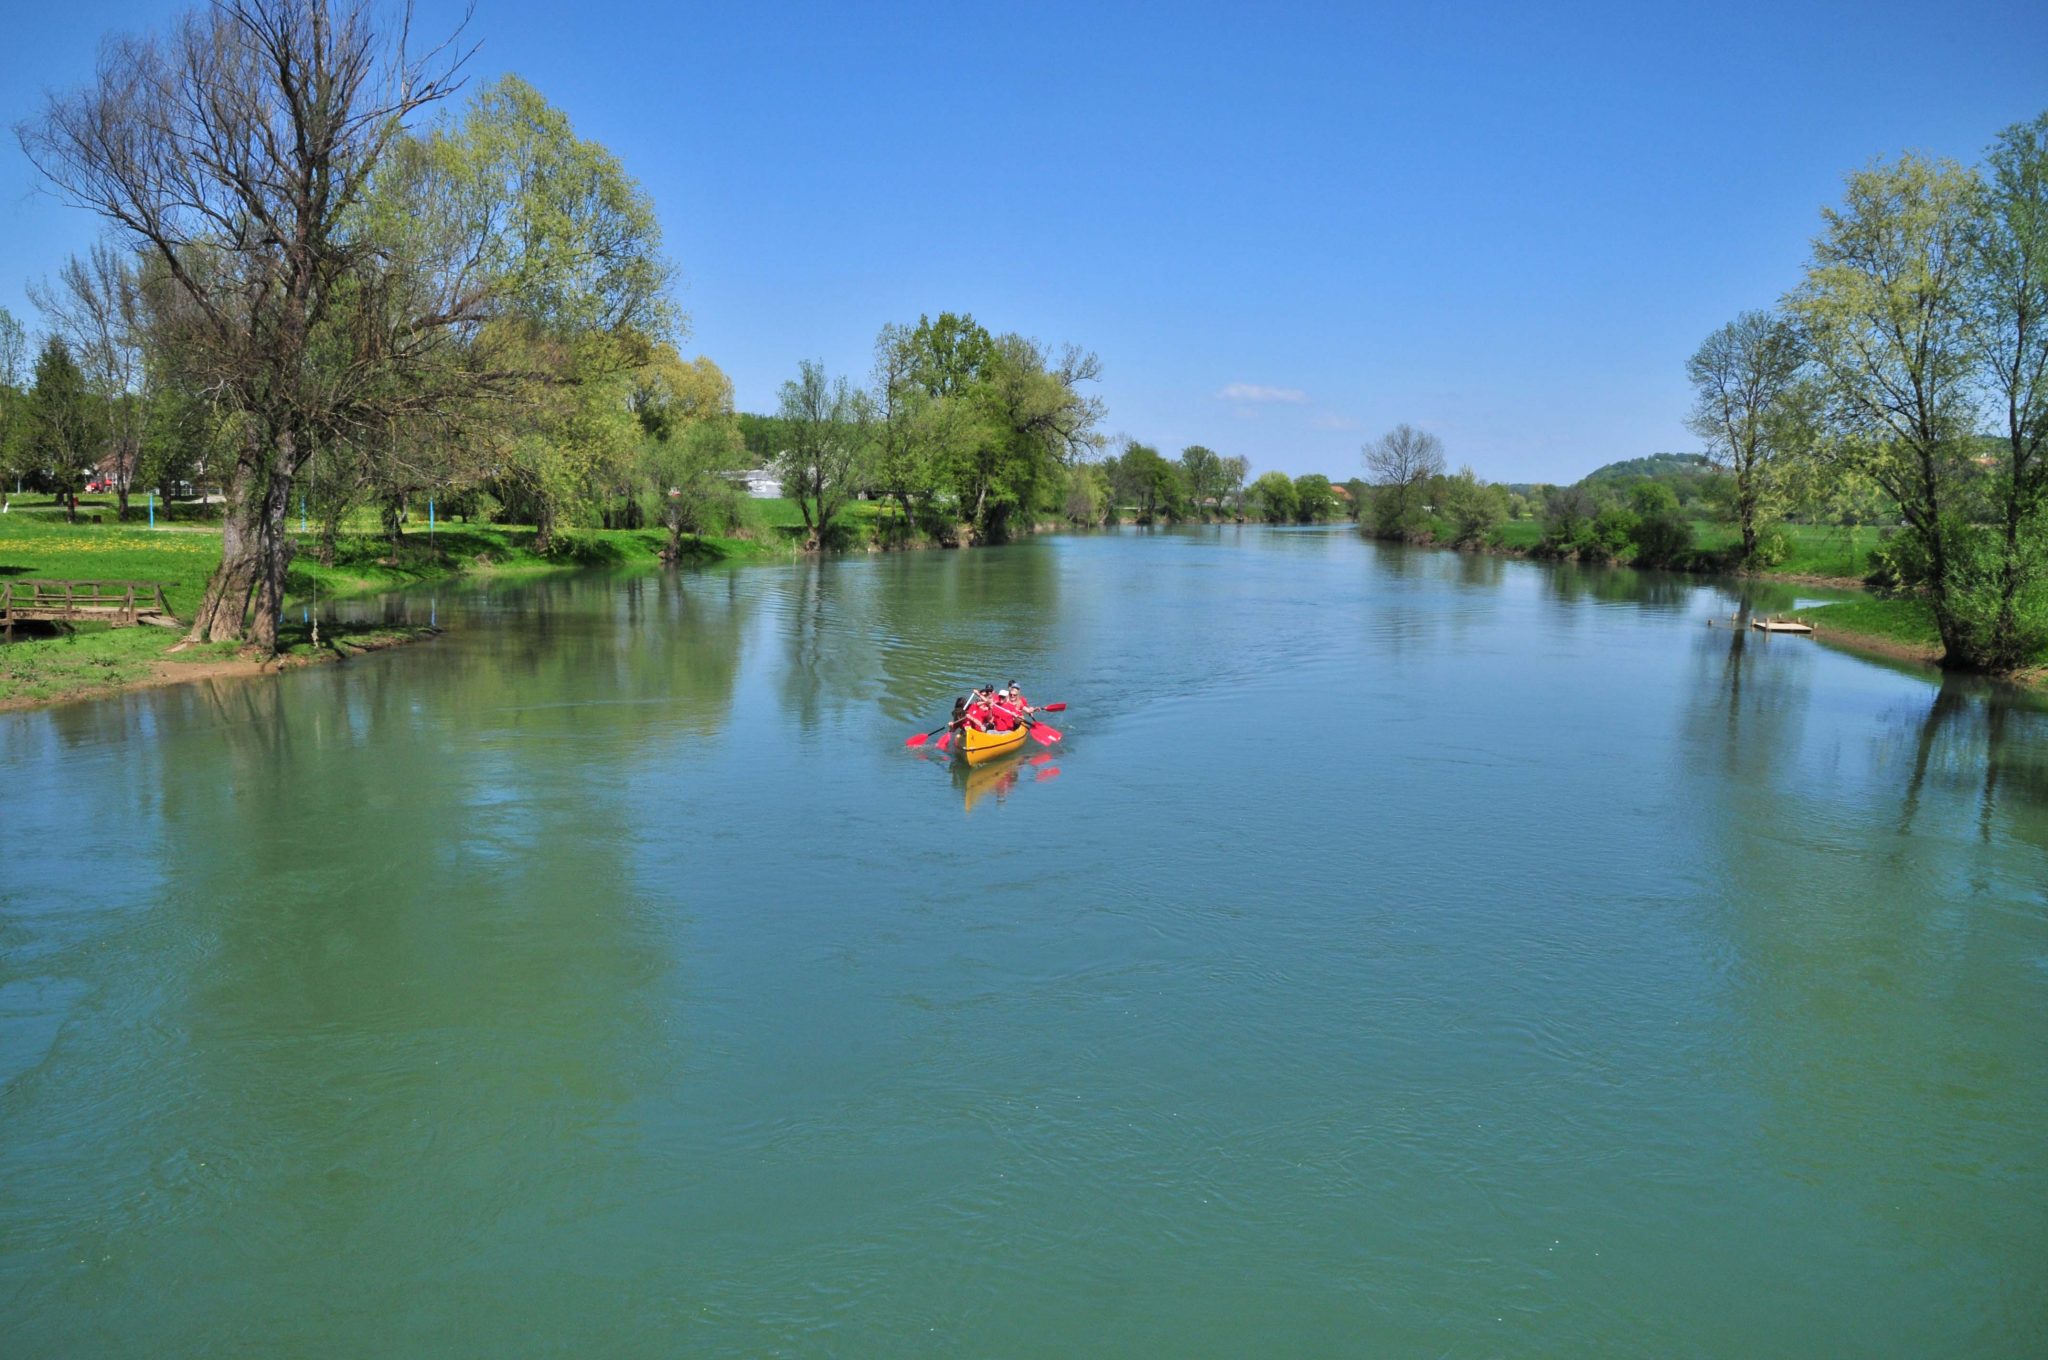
column 979, row 779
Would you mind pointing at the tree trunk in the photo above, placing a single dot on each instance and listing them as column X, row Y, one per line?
column 329, row 542
column 274, row 555
column 2005, row 640
column 543, row 527
column 219, row 616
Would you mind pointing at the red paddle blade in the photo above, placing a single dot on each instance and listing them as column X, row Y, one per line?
column 1052, row 708
column 1045, row 734
column 918, row 740
column 943, row 740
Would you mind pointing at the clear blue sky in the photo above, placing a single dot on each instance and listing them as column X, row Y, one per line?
column 1507, row 223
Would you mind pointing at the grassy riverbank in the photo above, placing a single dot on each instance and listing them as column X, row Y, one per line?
column 1813, row 552
column 1901, row 629
column 48, row 665
column 36, row 542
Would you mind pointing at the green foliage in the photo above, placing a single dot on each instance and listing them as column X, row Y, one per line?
column 1272, row 498
column 831, row 438
column 1202, row 476
column 1472, row 510
column 683, row 481
column 1404, row 464
column 1360, row 495
column 64, row 427
column 1568, row 513
column 1691, row 476
column 948, row 356
column 669, row 394
column 1661, row 535
column 1142, row 479
column 1313, row 500
column 1749, row 405
column 931, row 420
column 1036, row 421
column 568, row 241
column 1090, row 497
column 1611, row 534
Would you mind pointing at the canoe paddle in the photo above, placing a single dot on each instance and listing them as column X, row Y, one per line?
column 1045, row 735
column 923, row 737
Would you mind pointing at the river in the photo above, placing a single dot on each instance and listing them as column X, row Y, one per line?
column 1404, row 953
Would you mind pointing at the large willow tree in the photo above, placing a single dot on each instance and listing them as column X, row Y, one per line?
column 237, row 150
column 341, row 285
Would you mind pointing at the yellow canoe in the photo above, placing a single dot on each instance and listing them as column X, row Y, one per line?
column 980, row 746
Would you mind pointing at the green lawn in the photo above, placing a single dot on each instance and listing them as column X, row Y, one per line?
column 95, row 657
column 36, row 543
column 181, row 559
column 1906, row 621
column 1816, row 550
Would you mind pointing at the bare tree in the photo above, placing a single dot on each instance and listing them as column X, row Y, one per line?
column 236, row 152
column 1401, row 463
column 94, row 306
column 1744, row 378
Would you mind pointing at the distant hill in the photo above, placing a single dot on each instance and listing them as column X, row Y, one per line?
column 1692, row 477
column 1658, row 467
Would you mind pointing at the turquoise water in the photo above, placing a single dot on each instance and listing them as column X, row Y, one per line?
column 1403, row 954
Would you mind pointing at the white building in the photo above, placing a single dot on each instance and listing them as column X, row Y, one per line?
column 761, row 483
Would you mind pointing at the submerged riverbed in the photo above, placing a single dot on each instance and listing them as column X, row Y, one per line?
column 1404, row 954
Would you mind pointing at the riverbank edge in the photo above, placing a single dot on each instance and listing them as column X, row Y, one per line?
column 356, row 580
column 169, row 671
column 1864, row 642
column 165, row 672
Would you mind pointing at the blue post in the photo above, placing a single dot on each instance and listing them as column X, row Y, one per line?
column 152, row 507
column 430, row 519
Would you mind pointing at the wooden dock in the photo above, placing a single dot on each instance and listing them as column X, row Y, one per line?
column 121, row 603
column 1780, row 625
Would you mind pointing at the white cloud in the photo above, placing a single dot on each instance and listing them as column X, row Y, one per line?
column 1258, row 392
column 1330, row 420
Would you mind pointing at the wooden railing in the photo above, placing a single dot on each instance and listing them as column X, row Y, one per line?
column 119, row 602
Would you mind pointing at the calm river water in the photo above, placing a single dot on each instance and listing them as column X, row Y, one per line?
column 1406, row 954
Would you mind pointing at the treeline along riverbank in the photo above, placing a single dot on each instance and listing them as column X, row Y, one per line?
column 53, row 663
